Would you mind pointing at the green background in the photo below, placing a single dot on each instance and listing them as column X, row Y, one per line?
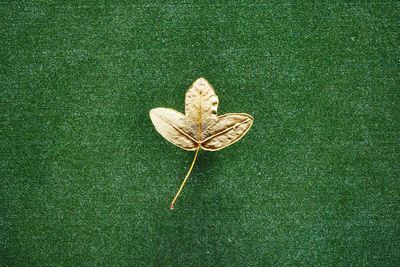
column 86, row 180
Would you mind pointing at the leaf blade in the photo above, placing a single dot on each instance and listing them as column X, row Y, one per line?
column 171, row 124
column 229, row 129
column 201, row 104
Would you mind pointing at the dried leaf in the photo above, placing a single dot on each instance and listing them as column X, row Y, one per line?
column 200, row 127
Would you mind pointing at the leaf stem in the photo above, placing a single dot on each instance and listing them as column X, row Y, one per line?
column 184, row 181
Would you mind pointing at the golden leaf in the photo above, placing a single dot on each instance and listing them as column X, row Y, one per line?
column 200, row 127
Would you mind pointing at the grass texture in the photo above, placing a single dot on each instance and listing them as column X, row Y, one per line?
column 85, row 180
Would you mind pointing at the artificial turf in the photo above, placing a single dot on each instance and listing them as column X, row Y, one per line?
column 86, row 180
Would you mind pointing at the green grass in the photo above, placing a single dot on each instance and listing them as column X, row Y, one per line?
column 86, row 180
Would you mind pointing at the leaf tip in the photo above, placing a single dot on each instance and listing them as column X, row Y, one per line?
column 151, row 112
column 201, row 81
